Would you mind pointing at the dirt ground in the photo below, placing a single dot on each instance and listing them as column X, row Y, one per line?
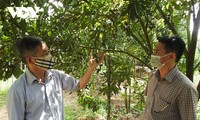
column 3, row 113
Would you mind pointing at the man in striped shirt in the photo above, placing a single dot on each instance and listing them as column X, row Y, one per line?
column 170, row 94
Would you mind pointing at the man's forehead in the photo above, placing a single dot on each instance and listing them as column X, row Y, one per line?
column 159, row 46
column 44, row 45
column 42, row 49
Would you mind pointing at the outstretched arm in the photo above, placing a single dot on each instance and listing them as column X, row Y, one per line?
column 92, row 66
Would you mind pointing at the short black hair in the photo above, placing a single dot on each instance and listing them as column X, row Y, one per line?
column 173, row 44
column 27, row 46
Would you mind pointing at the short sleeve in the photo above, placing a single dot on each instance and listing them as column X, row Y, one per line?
column 69, row 83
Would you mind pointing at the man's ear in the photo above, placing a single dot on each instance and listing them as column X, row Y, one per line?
column 28, row 60
column 173, row 55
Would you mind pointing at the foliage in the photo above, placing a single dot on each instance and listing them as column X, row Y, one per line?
column 100, row 25
column 70, row 113
column 93, row 103
column 77, row 112
column 198, row 110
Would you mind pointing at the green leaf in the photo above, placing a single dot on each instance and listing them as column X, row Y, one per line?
column 49, row 33
column 17, row 71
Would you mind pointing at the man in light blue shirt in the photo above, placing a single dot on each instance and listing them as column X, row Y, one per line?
column 37, row 94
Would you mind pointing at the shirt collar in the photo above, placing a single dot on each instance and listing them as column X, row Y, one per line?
column 169, row 77
column 49, row 74
column 31, row 78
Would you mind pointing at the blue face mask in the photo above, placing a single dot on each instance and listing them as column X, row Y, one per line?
column 45, row 62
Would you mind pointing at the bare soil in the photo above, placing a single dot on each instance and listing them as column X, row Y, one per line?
column 3, row 113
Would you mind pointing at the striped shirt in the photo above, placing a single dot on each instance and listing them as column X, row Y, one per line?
column 172, row 98
column 29, row 99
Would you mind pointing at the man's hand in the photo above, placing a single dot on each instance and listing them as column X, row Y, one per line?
column 94, row 62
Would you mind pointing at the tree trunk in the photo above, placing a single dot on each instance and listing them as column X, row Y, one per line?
column 190, row 57
column 109, row 78
column 192, row 46
column 198, row 88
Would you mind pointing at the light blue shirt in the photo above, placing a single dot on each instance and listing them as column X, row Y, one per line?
column 28, row 99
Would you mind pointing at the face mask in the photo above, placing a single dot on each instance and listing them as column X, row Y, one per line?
column 45, row 63
column 155, row 61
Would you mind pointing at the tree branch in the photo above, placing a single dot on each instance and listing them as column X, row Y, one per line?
column 130, row 33
column 196, row 66
column 146, row 35
column 171, row 27
column 119, row 51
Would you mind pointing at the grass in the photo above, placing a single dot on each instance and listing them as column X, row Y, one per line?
column 70, row 113
column 3, row 97
column 4, row 86
column 76, row 112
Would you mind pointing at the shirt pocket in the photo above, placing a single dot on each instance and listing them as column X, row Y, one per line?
column 160, row 104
